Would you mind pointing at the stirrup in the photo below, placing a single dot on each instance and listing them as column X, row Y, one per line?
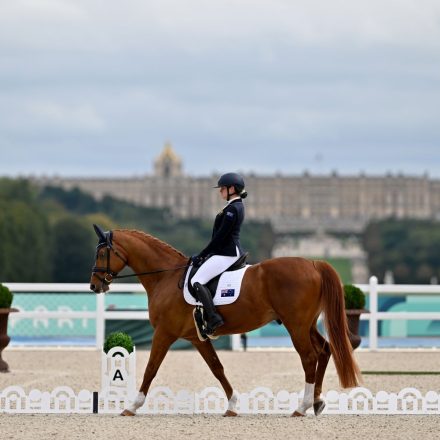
column 199, row 324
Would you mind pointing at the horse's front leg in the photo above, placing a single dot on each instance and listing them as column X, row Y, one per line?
column 160, row 345
column 209, row 354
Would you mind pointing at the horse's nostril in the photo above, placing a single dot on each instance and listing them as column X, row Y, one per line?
column 92, row 287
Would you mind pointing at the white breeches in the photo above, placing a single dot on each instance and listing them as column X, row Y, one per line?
column 212, row 267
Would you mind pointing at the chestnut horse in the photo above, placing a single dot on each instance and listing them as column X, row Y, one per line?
column 292, row 290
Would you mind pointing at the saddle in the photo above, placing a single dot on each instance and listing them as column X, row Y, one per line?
column 198, row 312
column 212, row 285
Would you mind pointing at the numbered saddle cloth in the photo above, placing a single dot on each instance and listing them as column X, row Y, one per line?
column 227, row 290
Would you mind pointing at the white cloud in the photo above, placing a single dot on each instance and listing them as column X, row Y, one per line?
column 42, row 24
column 43, row 11
column 82, row 116
column 279, row 75
column 34, row 117
column 199, row 25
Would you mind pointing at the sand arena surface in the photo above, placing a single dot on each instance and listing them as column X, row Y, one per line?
column 278, row 370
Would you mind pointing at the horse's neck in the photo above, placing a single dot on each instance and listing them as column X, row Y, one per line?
column 147, row 254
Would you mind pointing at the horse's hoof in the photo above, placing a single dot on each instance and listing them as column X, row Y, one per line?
column 318, row 407
column 230, row 413
column 298, row 414
column 127, row 413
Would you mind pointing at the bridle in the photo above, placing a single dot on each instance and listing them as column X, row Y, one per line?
column 111, row 275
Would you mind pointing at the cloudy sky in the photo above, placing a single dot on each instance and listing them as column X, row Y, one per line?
column 97, row 86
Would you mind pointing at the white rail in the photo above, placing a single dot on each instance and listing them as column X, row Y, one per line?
column 101, row 315
column 373, row 290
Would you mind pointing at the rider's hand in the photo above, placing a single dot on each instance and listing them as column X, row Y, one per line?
column 196, row 260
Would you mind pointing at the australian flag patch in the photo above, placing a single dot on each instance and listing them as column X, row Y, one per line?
column 227, row 292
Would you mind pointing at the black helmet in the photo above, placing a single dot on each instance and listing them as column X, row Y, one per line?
column 231, row 179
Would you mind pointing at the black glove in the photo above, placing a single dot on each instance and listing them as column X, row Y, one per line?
column 196, row 260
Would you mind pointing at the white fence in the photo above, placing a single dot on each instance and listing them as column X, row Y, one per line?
column 118, row 375
column 101, row 315
column 212, row 400
column 373, row 289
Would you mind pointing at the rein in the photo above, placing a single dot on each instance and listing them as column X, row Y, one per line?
column 151, row 272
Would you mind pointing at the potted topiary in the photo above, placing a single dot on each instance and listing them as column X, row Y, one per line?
column 6, row 297
column 118, row 339
column 354, row 307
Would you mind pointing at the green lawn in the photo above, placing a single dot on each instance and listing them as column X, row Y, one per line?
column 342, row 266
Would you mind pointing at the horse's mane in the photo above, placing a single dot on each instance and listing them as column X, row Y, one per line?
column 147, row 237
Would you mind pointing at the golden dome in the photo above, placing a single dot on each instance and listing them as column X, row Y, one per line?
column 168, row 164
column 168, row 154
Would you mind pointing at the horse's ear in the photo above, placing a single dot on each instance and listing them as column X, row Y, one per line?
column 100, row 233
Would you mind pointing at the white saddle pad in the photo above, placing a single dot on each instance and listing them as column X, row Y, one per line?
column 228, row 288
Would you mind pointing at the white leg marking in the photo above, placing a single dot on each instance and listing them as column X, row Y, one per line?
column 138, row 402
column 232, row 402
column 307, row 401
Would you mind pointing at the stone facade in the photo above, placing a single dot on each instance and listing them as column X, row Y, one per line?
column 325, row 246
column 300, row 203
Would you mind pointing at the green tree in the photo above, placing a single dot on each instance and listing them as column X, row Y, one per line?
column 17, row 189
column 258, row 239
column 74, row 200
column 73, row 249
column 25, row 251
column 409, row 248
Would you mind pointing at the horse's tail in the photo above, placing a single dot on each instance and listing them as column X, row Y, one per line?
column 336, row 325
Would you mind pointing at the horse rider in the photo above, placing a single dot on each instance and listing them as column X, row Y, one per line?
column 224, row 249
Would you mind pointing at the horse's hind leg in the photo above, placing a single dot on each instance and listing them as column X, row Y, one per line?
column 323, row 348
column 309, row 358
column 209, row 354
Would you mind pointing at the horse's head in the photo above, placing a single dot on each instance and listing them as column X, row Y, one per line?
column 108, row 262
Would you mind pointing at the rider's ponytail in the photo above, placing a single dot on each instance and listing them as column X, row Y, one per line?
column 243, row 193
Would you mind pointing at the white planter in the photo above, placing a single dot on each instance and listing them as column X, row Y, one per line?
column 118, row 373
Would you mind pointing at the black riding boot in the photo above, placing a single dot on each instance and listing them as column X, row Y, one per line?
column 213, row 319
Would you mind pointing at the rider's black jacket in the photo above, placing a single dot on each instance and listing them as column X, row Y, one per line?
column 226, row 231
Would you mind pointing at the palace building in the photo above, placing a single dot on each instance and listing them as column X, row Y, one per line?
column 292, row 203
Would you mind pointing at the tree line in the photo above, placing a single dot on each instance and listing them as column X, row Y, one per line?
column 46, row 233
column 410, row 249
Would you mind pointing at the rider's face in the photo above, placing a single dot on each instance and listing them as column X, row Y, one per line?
column 224, row 192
